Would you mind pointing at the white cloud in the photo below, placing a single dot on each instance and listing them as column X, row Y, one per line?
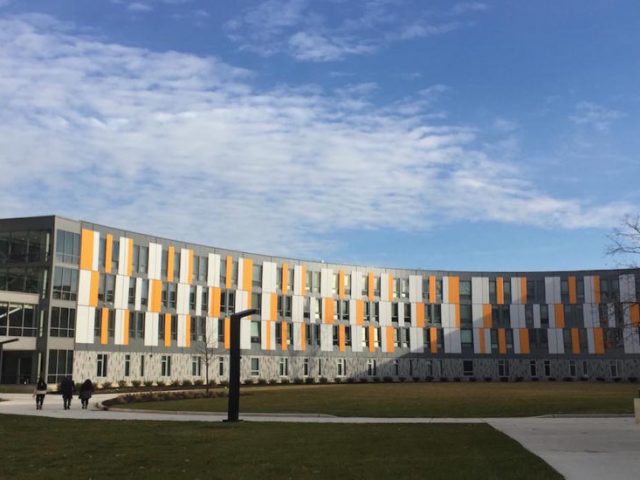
column 139, row 7
column 468, row 7
column 183, row 146
column 317, row 47
column 594, row 116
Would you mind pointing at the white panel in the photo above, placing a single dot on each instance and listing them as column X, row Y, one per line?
column 119, row 328
column 385, row 314
column 476, row 290
column 198, row 299
column 591, row 345
column 297, row 337
column 184, row 265
column 552, row 289
column 245, row 333
column 314, row 310
column 242, row 300
column 211, row 324
column 445, row 289
column 137, row 305
column 559, row 340
column 122, row 256
column 516, row 341
column 263, row 336
column 476, row 340
column 536, row 316
column 352, row 312
column 182, row 301
column 297, row 309
column 552, row 316
column 591, row 315
column 240, row 273
column 357, row 334
column 96, row 251
column 415, row 288
column 516, row 295
column 516, row 316
column 269, row 272
column 151, row 329
column 416, row 340
column 452, row 342
column 297, row 280
column 84, row 287
column 82, row 324
column 265, row 307
column 404, row 317
column 477, row 315
column 485, row 290
column 326, row 275
column 551, row 339
column 120, row 298
column 213, row 270
column 182, row 330
column 326, row 338
column 151, row 267
column 631, row 340
column 627, row 288
column 448, row 315
column 588, row 289
column 611, row 314
column 356, row 285
column 384, row 286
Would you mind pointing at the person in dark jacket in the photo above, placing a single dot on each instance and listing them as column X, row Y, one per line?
column 67, row 387
column 86, row 389
column 40, row 392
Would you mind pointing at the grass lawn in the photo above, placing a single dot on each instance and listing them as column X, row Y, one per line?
column 423, row 399
column 53, row 448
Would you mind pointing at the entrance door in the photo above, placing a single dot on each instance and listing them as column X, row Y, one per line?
column 17, row 367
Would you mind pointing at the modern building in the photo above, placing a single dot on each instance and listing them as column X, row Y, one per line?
column 107, row 304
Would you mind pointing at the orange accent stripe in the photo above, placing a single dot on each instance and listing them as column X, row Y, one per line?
column 104, row 325
column 285, row 278
column 420, row 315
column 187, row 333
column 486, row 315
column 372, row 345
column 190, row 271
column 481, row 339
column 167, row 329
column 171, row 251
column 303, row 280
column 432, row 289
column 86, row 249
column 456, row 315
column 433, row 338
column 524, row 341
column 599, row 340
column 95, row 286
column 216, row 294
column 125, row 322
column 596, row 288
column 575, row 341
column 303, row 337
column 273, row 307
column 156, row 295
column 130, row 257
column 341, row 335
column 454, row 290
column 502, row 340
column 247, row 274
column 268, row 336
column 389, row 337
column 499, row 290
column 359, row 312
column 572, row 290
column 228, row 271
column 283, row 333
column 227, row 333
column 559, row 314
column 390, row 287
column 371, row 286
column 523, row 289
column 634, row 314
column 328, row 311
column 108, row 253
column 341, row 284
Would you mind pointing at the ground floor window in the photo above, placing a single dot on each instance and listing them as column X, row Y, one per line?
column 372, row 367
column 396, row 368
column 284, row 367
column 585, row 368
column 165, row 366
column 342, row 367
column 60, row 365
column 196, row 366
column 221, row 366
column 127, row 365
column 572, row 368
column 305, row 367
column 503, row 368
column 142, row 365
column 429, row 368
column 533, row 368
column 320, row 367
column 467, row 368
column 102, row 365
column 613, row 368
column 547, row 368
column 255, row 367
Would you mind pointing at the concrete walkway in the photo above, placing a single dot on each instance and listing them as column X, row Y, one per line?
column 579, row 448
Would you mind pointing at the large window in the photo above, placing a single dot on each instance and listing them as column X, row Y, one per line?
column 140, row 258
column 136, row 325
column 18, row 320
column 165, row 366
column 255, row 332
column 255, row 367
column 63, row 322
column 20, row 279
column 196, row 366
column 67, row 247
column 341, row 365
column 65, row 283
column 102, row 365
column 283, row 367
column 60, row 365
column 24, row 247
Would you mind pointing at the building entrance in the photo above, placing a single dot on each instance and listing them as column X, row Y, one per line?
column 17, row 367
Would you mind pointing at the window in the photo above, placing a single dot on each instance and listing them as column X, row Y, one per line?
column 255, row 367
column 372, row 367
column 202, row 268
column 165, row 366
column 255, row 332
column 572, row 368
column 467, row 368
column 613, row 368
column 62, row 322
column 547, row 368
column 465, row 291
column 144, row 294
column 429, row 368
column 336, row 339
column 102, row 365
column 507, row 291
column 174, row 327
column 533, row 368
column 65, row 283
column 132, row 291
column 344, row 310
column 319, row 366
column 284, row 367
column 196, row 366
column 503, row 368
column 221, row 366
column 284, row 306
column 67, row 247
column 205, row 300
column 140, row 258
column 142, row 365
column 18, row 320
column 347, row 284
column 315, row 282
column 192, row 297
column 585, row 368
column 279, row 278
column 176, row 264
column 334, row 284
column 223, row 272
column 60, row 365
column 115, row 257
column 394, row 313
column 256, row 278
column 127, row 365
column 136, row 325
column 221, row 330
column 396, row 368
column 342, row 367
column 111, row 323
column 305, row 367
column 256, row 302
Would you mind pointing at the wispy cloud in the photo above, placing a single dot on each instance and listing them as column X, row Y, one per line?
column 139, row 7
column 468, row 7
column 594, row 116
column 185, row 146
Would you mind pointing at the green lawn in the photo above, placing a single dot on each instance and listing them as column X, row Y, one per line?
column 36, row 448
column 424, row 399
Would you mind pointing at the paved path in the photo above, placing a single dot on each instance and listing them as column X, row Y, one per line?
column 579, row 448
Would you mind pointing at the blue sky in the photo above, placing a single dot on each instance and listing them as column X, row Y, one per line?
column 471, row 135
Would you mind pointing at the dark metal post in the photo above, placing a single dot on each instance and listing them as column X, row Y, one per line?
column 233, row 411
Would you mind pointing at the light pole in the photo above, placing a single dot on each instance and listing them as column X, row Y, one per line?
column 233, row 411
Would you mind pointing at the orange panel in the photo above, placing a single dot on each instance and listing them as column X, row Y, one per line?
column 456, row 315
column 190, row 270
column 303, row 280
column 454, row 289
column 371, row 286
column 359, row 312
column 432, row 289
column 130, row 257
column 171, row 251
column 284, row 332
column 502, row 340
column 227, row 333
column 499, row 290
column 285, row 278
column 156, row 295
column 524, row 341
column 167, row 329
column 268, row 336
column 341, row 335
column 108, row 253
column 125, row 322
column 599, row 340
column 214, row 308
column 372, row 345
column 634, row 314
column 187, row 333
column 486, row 315
column 86, row 249
column 523, row 289
column 559, row 314
column 247, row 274
column 303, row 337
column 389, row 338
column 274, row 306
column 596, row 289
column 420, row 315
column 481, row 339
column 341, row 284
column 575, row 341
column 572, row 290
column 228, row 272
column 390, row 287
column 433, row 338
column 328, row 311
column 104, row 326
column 95, row 286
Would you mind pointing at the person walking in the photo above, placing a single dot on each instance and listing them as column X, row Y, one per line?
column 86, row 389
column 39, row 392
column 67, row 387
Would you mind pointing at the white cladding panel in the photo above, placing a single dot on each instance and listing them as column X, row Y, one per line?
column 452, row 342
column 96, row 251
column 182, row 303
column 297, row 280
column 120, row 297
column 384, row 286
column 628, row 288
column 356, row 284
column 198, row 299
column 385, row 313
column 138, row 295
column 85, row 319
column 415, row 288
column 326, row 277
column 182, row 330
column 588, row 289
column 297, row 309
column 151, row 327
column 211, row 337
column 123, row 255
column 357, row 334
column 326, row 338
column 536, row 316
column 403, row 316
column 416, row 340
column 84, row 287
column 269, row 274
column 245, row 333
column 119, row 328
column 552, row 290
column 477, row 315
column 480, row 290
column 213, row 270
column 516, row 314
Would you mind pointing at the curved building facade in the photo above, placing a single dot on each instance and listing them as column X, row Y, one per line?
column 111, row 305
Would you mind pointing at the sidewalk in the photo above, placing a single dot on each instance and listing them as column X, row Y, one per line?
column 579, row 448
